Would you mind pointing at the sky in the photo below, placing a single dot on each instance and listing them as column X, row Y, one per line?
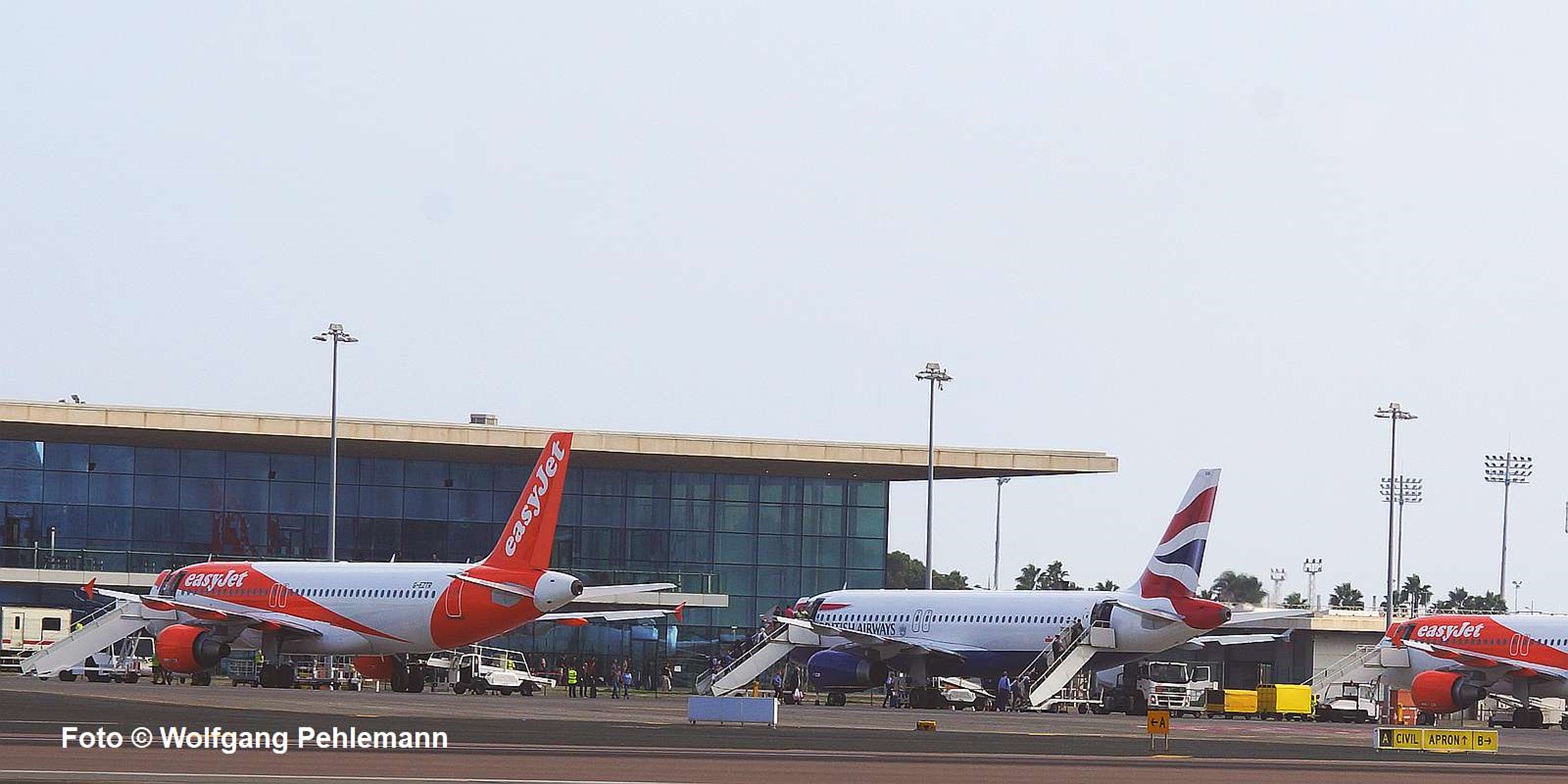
column 1188, row 235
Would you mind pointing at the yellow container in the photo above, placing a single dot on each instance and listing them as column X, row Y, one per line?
column 1282, row 700
column 1241, row 701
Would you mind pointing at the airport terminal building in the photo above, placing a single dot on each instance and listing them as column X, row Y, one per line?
column 740, row 525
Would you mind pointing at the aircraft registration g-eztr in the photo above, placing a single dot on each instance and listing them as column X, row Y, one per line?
column 1457, row 660
column 377, row 612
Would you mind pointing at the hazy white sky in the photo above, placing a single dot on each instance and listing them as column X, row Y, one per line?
column 1191, row 235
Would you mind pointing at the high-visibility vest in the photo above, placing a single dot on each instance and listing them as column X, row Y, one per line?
column 571, row 677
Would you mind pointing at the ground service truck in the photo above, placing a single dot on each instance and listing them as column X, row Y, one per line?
column 1174, row 686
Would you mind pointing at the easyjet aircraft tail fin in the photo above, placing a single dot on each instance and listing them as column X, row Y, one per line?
column 1173, row 569
column 529, row 534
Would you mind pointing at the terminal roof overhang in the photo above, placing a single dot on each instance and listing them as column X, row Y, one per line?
column 503, row 444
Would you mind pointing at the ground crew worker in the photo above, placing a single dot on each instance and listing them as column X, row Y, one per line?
column 158, row 675
column 571, row 681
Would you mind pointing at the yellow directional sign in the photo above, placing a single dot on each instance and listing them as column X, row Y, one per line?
column 1159, row 722
column 1399, row 738
column 1435, row 739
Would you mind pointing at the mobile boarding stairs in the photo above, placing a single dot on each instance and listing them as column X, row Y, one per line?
column 102, row 629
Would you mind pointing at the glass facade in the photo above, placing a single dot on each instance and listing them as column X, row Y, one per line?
column 762, row 539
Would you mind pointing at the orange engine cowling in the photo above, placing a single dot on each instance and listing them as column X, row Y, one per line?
column 189, row 649
column 376, row 668
column 1444, row 692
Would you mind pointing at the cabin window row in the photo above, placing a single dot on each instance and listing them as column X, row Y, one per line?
column 897, row 617
column 323, row 593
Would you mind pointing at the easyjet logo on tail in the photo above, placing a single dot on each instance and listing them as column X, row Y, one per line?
column 543, row 475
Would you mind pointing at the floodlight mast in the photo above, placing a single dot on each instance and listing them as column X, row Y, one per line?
column 1394, row 412
column 996, row 561
column 1312, row 566
column 336, row 334
column 1402, row 490
column 937, row 377
column 1507, row 469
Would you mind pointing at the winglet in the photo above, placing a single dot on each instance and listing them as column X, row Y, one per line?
column 680, row 609
column 90, row 588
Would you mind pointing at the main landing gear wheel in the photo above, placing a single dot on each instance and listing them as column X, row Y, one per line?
column 837, row 698
column 203, row 678
column 1529, row 718
column 399, row 676
column 276, row 676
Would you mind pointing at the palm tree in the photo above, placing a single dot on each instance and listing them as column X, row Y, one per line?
column 1055, row 578
column 1294, row 601
column 1346, row 596
column 1415, row 593
column 1457, row 600
column 1238, row 588
column 1491, row 601
column 1106, row 585
column 1028, row 579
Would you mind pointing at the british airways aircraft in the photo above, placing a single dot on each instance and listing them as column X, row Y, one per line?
column 866, row 633
column 377, row 612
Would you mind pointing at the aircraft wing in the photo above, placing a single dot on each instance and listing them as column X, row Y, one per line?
column 262, row 619
column 613, row 591
column 1528, row 669
column 885, row 647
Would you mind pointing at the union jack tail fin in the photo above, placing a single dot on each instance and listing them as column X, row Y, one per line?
column 1173, row 569
column 529, row 534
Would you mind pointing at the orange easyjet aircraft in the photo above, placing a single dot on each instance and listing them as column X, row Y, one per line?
column 379, row 612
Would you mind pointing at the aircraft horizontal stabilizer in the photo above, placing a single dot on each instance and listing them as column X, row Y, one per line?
column 613, row 591
column 1254, row 616
column 1197, row 643
column 515, row 590
column 608, row 615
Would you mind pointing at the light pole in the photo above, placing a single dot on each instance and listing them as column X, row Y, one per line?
column 1277, row 576
column 1507, row 469
column 1517, row 583
column 1312, row 566
column 1401, row 490
column 996, row 561
column 336, row 334
column 937, row 376
column 1393, row 413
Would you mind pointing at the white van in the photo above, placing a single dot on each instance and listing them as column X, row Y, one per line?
column 27, row 630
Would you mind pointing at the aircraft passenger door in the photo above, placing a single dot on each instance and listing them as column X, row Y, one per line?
column 454, row 599
column 1519, row 645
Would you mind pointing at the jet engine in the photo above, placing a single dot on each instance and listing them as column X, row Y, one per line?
column 189, row 649
column 376, row 668
column 1444, row 692
column 840, row 671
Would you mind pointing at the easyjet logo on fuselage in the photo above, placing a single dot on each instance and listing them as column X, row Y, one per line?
column 545, row 473
column 203, row 580
column 1460, row 631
